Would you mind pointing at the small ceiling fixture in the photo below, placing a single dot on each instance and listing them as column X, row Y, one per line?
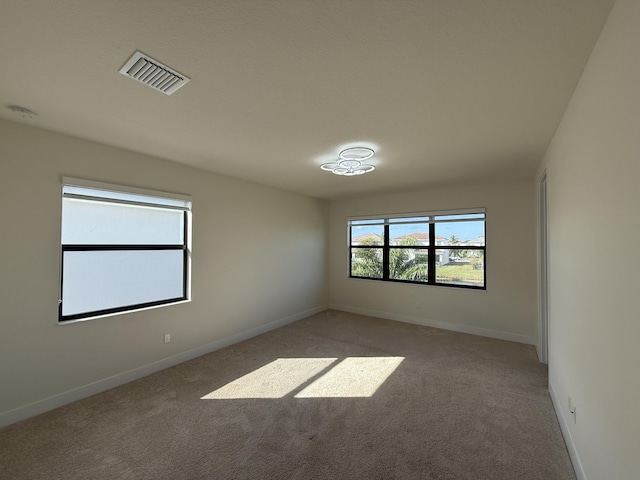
column 351, row 162
column 22, row 111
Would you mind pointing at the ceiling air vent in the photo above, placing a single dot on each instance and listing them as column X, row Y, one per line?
column 146, row 70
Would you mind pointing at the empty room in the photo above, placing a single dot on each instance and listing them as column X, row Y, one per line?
column 338, row 239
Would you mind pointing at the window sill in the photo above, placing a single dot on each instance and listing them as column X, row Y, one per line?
column 96, row 317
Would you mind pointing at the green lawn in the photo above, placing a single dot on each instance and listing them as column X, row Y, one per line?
column 462, row 271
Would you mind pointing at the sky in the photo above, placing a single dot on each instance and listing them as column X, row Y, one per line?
column 462, row 230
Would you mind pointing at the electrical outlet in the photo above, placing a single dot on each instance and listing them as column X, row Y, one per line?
column 167, row 337
column 418, row 305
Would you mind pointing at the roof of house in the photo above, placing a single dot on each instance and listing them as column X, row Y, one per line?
column 366, row 236
column 479, row 239
column 419, row 236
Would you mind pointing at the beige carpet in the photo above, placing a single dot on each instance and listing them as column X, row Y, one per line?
column 334, row 396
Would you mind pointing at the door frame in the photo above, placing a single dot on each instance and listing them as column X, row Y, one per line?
column 543, row 269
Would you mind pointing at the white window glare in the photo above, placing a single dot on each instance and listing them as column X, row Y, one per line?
column 367, row 222
column 93, row 222
column 101, row 280
column 178, row 201
column 121, row 250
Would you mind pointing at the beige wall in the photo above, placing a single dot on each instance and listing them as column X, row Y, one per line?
column 259, row 259
column 507, row 309
column 593, row 168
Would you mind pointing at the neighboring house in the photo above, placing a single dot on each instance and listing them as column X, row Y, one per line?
column 367, row 237
column 476, row 242
column 441, row 240
column 442, row 256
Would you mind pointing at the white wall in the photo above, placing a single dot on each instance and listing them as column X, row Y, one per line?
column 507, row 309
column 593, row 167
column 259, row 260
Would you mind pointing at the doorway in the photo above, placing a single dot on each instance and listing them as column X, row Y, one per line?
column 543, row 271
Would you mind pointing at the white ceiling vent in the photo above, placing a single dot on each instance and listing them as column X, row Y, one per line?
column 146, row 70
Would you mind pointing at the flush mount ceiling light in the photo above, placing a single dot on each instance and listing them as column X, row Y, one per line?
column 351, row 162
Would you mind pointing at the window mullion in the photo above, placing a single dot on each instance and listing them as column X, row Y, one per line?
column 185, row 265
column 431, row 259
column 72, row 247
column 385, row 254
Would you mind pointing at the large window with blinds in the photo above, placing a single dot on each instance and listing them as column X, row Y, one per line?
column 436, row 248
column 123, row 249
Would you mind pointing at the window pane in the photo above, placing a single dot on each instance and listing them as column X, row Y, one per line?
column 366, row 262
column 458, row 217
column 461, row 233
column 409, row 234
column 111, row 279
column 408, row 264
column 367, row 222
column 370, row 235
column 460, row 267
column 125, row 196
column 100, row 223
column 409, row 219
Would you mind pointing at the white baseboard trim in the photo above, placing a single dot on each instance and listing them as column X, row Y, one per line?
column 58, row 400
column 483, row 332
column 566, row 433
column 538, row 352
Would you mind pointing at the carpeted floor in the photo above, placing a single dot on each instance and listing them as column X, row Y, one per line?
column 334, row 396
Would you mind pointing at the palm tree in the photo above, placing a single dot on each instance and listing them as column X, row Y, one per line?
column 368, row 261
column 453, row 240
column 403, row 267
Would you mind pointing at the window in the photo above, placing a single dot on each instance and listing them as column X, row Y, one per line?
column 122, row 249
column 441, row 248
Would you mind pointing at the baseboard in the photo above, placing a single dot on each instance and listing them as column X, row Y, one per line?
column 566, row 433
column 55, row 401
column 483, row 332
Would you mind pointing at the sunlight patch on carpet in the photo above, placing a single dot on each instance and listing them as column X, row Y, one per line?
column 274, row 380
column 353, row 377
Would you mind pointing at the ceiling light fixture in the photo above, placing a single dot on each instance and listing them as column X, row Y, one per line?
column 351, row 162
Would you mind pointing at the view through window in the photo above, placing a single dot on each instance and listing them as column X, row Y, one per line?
column 443, row 248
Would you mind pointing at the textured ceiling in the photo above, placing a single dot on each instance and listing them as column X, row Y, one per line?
column 446, row 91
